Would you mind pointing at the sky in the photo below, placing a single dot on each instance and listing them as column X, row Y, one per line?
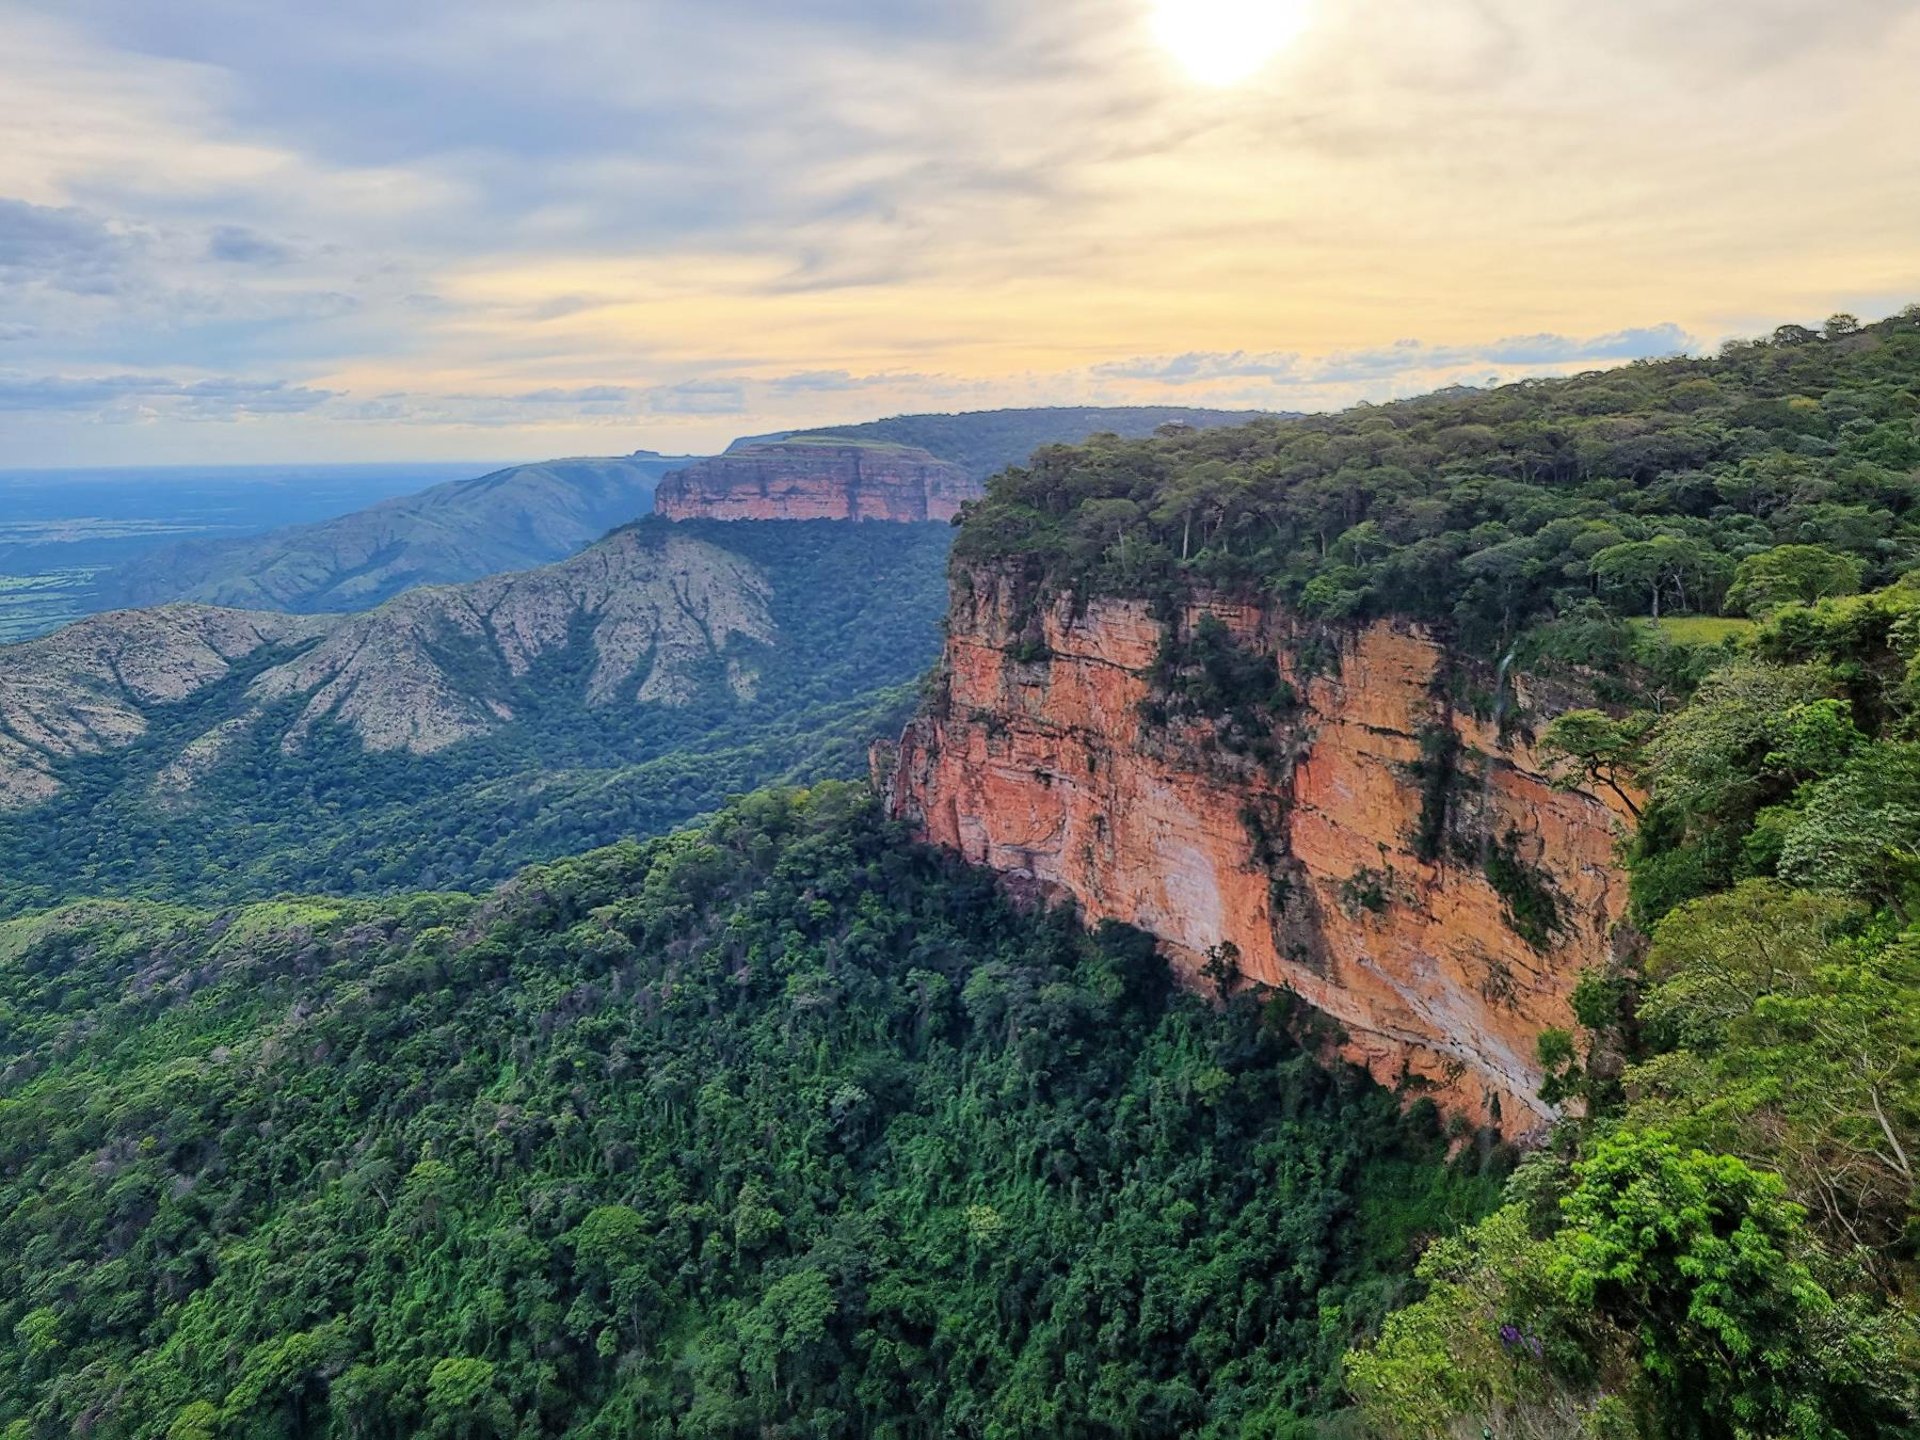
column 253, row 230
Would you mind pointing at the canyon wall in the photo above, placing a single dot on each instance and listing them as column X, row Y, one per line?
column 1356, row 836
column 817, row 480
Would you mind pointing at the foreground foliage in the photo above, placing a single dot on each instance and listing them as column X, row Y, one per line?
column 1728, row 1246
column 782, row 1127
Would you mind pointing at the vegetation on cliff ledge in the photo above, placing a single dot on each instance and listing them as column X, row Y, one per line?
column 1728, row 1244
column 1781, row 469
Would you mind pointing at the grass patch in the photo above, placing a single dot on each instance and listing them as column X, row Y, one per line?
column 1698, row 629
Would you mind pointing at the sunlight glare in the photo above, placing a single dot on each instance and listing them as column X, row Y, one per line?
column 1222, row 42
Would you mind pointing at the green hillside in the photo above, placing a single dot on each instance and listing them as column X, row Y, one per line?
column 986, row 441
column 782, row 1127
column 840, row 621
column 506, row 520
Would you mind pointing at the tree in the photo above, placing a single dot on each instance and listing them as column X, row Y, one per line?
column 1859, row 831
column 461, row 1400
column 1600, row 750
column 1791, row 574
column 1489, row 1349
column 1710, row 761
column 1665, row 565
column 1704, row 1261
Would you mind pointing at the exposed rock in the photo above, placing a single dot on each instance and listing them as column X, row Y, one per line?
column 1299, row 868
column 655, row 604
column 422, row 672
column 817, row 480
column 85, row 689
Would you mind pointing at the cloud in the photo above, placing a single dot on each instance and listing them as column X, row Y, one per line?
column 239, row 245
column 699, row 397
column 64, row 248
column 153, row 397
column 1404, row 359
column 740, row 213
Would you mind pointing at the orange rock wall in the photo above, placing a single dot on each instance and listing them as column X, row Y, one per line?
column 1046, row 771
column 814, row 481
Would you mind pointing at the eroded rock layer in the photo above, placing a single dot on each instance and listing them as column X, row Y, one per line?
column 817, row 480
column 1355, row 835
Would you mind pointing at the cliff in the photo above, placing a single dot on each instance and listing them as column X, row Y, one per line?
column 817, row 480
column 1307, row 807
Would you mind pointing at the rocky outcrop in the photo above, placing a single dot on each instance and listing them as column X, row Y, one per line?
column 817, row 480
column 1341, row 827
column 436, row 666
column 655, row 610
column 87, row 688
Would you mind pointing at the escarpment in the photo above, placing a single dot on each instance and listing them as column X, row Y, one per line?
column 1297, row 805
column 818, row 480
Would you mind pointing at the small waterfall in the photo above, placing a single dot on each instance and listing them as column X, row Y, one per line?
column 1486, row 770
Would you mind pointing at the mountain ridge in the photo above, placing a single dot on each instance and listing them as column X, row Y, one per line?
column 511, row 519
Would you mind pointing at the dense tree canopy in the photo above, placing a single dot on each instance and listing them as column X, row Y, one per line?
column 780, row 1127
column 1648, row 487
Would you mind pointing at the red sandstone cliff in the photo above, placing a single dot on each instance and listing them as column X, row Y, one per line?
column 1064, row 773
column 817, row 480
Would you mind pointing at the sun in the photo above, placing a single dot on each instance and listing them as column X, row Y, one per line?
column 1222, row 42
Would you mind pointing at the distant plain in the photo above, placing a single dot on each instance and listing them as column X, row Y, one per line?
column 60, row 528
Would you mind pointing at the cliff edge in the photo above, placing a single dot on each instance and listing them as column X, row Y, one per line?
column 1288, row 803
column 818, row 480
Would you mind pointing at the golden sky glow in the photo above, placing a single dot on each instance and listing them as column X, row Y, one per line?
column 493, row 230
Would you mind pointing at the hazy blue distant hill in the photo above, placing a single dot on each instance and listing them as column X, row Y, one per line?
column 60, row 528
column 512, row 519
column 987, row 441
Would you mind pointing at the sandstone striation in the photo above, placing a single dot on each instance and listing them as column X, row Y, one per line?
column 818, row 480
column 1343, row 851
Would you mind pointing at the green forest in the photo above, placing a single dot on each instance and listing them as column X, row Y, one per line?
column 1780, row 469
column 779, row 1127
column 783, row 1126
column 857, row 608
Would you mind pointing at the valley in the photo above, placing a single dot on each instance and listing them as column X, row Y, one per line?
column 1336, row 869
column 457, row 732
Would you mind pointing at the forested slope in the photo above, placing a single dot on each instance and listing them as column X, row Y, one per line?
column 457, row 733
column 783, row 1127
column 1728, row 1244
column 1654, row 489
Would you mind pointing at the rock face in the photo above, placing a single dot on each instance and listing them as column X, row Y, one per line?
column 1338, row 840
column 425, row 671
column 428, row 670
column 817, row 480
column 85, row 689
